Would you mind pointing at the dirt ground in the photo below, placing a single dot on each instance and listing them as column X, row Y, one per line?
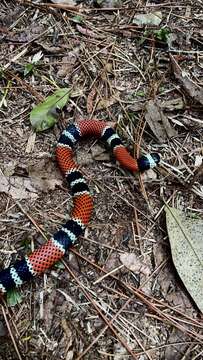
column 96, row 304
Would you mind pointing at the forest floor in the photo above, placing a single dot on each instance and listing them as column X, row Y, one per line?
column 117, row 294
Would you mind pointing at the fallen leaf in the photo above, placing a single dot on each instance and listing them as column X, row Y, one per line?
column 185, row 235
column 67, row 64
column 44, row 175
column 44, row 115
column 158, row 122
column 52, row 49
column 168, row 105
column 165, row 277
column 133, row 263
column 105, row 103
column 192, row 89
column 99, row 153
column 179, row 347
column 17, row 187
column 148, row 19
column 172, row 104
column 149, row 176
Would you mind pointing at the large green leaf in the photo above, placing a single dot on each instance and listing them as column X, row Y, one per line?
column 45, row 115
column 186, row 234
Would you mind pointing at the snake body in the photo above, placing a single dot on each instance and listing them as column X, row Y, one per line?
column 54, row 249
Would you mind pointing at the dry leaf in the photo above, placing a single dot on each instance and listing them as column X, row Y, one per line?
column 17, row 187
column 52, row 49
column 158, row 122
column 148, row 19
column 133, row 263
column 172, row 104
column 44, row 175
column 105, row 103
column 168, row 105
column 185, row 235
column 99, row 153
column 192, row 89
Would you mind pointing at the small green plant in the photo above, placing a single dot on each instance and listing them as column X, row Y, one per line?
column 162, row 34
column 30, row 67
column 77, row 19
column 13, row 297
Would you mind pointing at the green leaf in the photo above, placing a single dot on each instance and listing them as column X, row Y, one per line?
column 45, row 115
column 77, row 19
column 162, row 34
column 28, row 69
column 59, row 265
column 140, row 93
column 185, row 235
column 13, row 297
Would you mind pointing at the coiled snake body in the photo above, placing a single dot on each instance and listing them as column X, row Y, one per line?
column 52, row 251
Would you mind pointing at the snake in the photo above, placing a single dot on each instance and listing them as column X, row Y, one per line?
column 58, row 245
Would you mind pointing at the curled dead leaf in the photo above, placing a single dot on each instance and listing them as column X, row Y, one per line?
column 133, row 263
column 158, row 122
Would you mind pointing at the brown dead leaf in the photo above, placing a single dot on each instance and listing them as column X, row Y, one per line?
column 165, row 277
column 172, row 104
column 168, row 105
column 44, row 175
column 133, row 263
column 68, row 62
column 191, row 88
column 176, row 351
column 52, row 49
column 17, row 187
column 158, row 122
column 99, row 153
column 149, row 176
column 84, row 158
column 105, row 103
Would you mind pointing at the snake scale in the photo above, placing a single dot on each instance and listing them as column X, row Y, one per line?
column 54, row 249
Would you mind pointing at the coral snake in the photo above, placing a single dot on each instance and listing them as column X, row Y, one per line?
column 55, row 248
